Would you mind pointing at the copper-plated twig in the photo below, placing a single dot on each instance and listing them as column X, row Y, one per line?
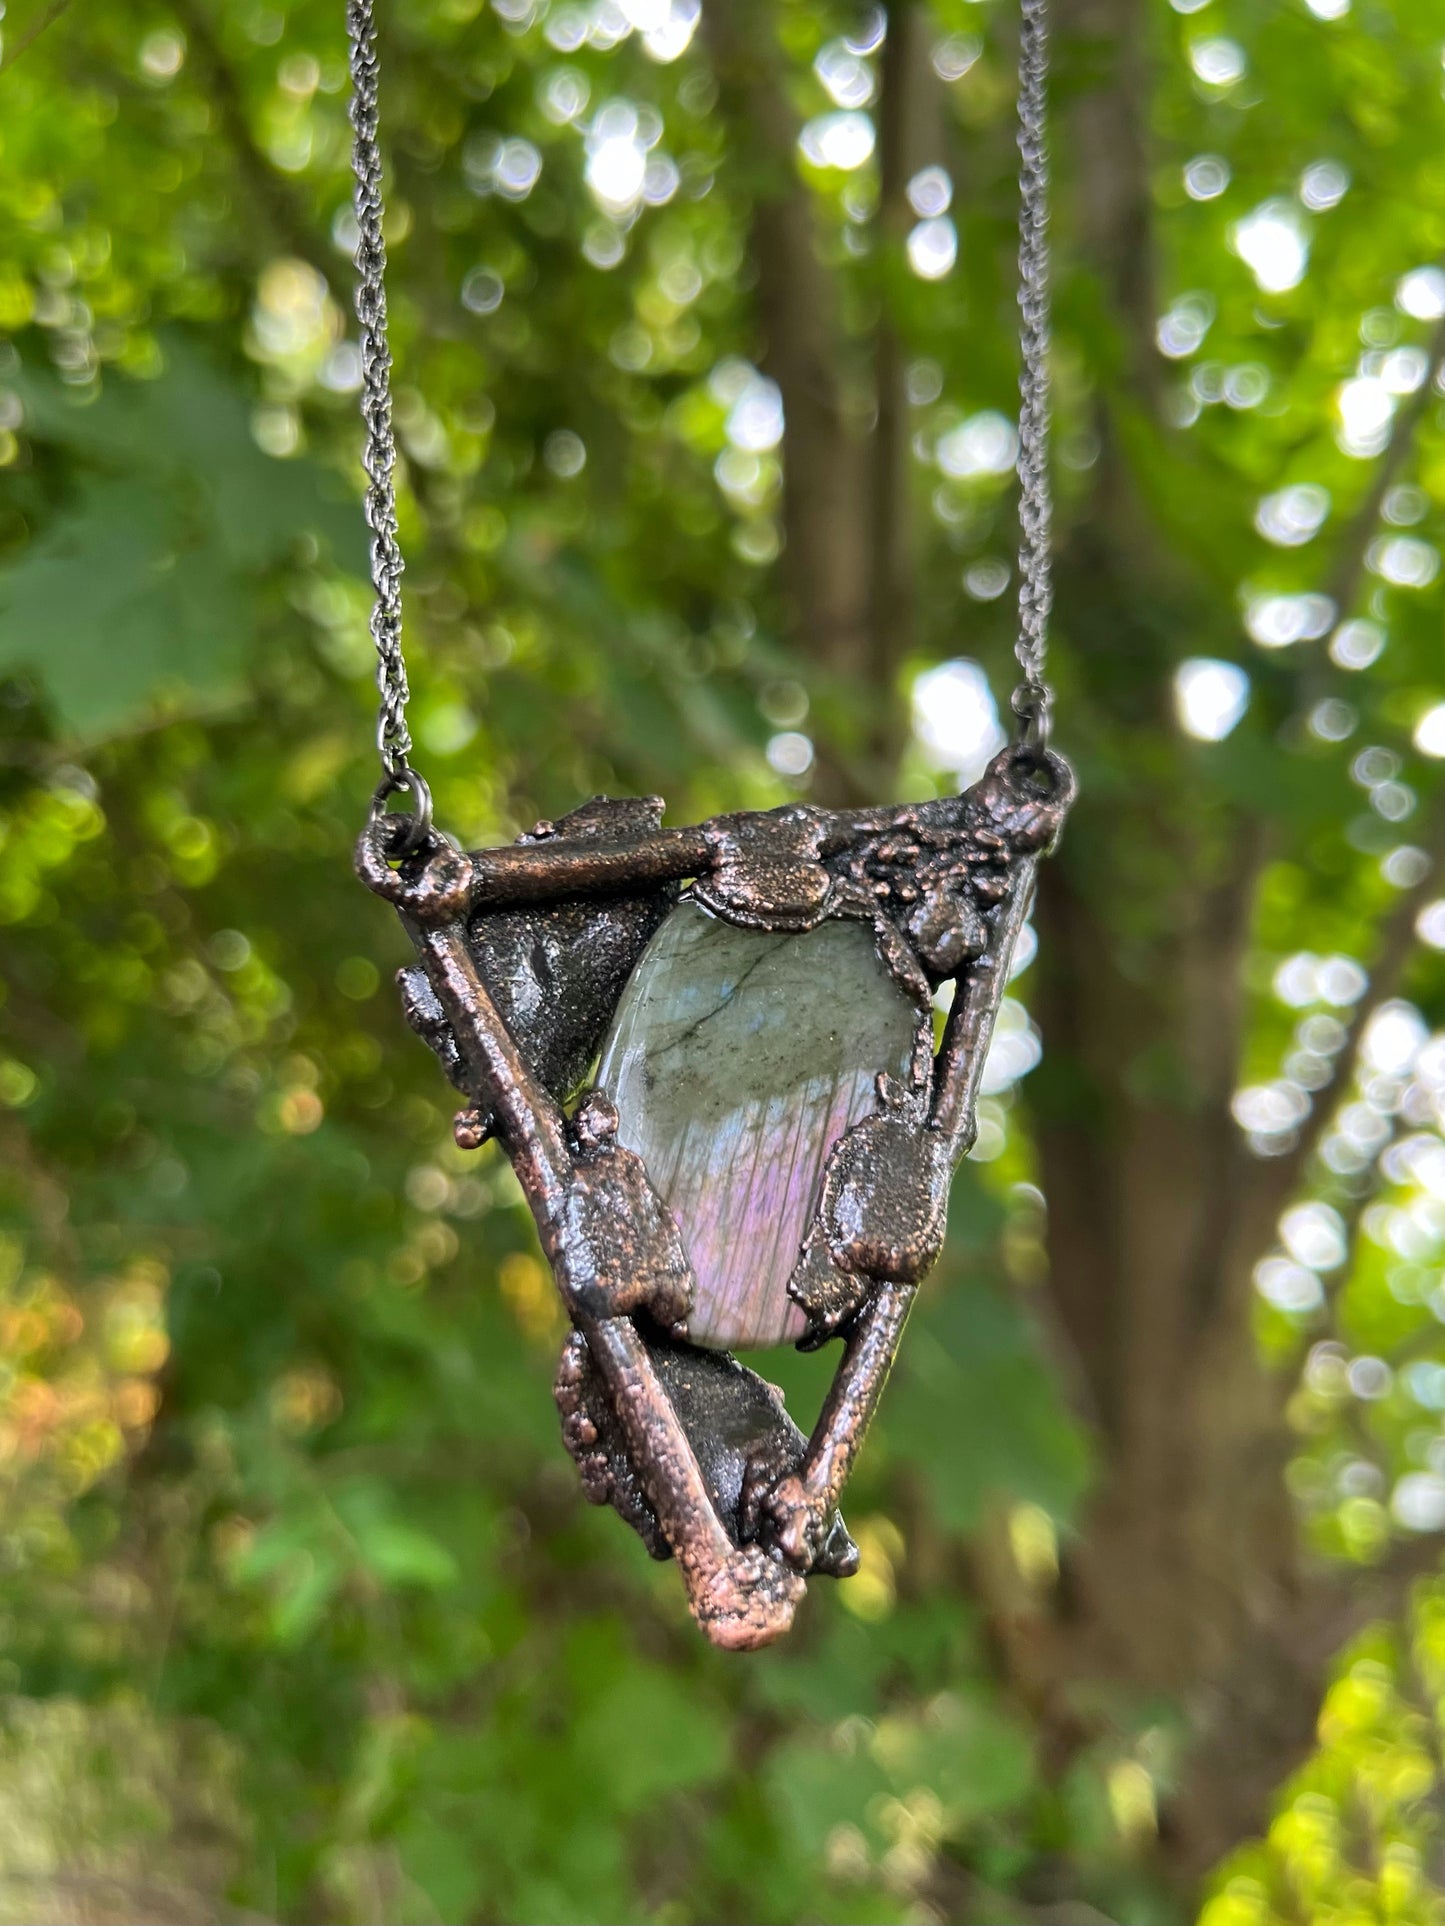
column 522, row 955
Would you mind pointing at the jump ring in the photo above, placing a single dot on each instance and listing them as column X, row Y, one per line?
column 1031, row 707
column 412, row 783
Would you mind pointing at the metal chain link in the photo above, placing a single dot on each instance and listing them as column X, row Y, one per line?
column 1033, row 697
column 393, row 737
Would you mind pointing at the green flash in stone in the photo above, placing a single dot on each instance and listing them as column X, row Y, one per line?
column 736, row 1060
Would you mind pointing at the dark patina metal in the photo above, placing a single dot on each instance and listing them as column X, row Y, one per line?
column 523, row 953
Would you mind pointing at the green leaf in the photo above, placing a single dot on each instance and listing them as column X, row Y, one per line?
column 648, row 1734
column 150, row 578
column 977, row 1410
column 392, row 1550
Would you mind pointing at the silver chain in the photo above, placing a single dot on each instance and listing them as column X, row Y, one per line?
column 393, row 737
column 1033, row 697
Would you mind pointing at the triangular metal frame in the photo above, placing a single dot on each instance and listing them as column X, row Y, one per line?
column 692, row 1448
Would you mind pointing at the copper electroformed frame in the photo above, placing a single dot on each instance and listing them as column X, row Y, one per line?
column 522, row 955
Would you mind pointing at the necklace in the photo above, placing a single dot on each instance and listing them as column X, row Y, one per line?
column 708, row 1052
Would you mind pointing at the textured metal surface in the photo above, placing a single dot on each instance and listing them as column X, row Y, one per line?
column 882, row 1212
column 523, row 952
column 736, row 1422
column 689, row 1446
column 555, row 970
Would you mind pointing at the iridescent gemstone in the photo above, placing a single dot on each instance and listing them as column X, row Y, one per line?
column 737, row 1058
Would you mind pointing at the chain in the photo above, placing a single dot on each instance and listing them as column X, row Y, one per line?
column 393, row 737
column 1033, row 697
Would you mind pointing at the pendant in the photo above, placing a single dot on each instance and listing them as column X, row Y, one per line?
column 709, row 1054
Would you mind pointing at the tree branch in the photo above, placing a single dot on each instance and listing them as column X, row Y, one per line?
column 1113, row 203
column 1280, row 1177
column 1262, row 1716
column 824, row 567
column 285, row 218
column 1349, row 566
column 1348, row 570
column 907, row 136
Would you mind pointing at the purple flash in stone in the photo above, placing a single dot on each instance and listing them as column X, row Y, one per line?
column 736, row 1060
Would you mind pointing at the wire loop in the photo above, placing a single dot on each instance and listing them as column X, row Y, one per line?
column 1031, row 704
column 409, row 782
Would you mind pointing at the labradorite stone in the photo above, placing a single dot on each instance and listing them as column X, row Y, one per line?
column 736, row 1060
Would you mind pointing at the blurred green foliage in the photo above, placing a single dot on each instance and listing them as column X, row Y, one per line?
column 301, row 1614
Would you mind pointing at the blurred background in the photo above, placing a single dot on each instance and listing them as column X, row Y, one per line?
column 706, row 364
